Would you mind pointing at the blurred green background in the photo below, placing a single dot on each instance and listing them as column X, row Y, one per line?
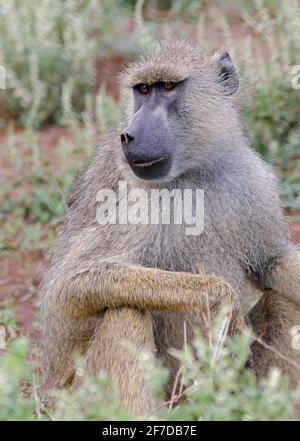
column 61, row 59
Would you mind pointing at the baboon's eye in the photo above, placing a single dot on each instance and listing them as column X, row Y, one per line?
column 169, row 85
column 143, row 88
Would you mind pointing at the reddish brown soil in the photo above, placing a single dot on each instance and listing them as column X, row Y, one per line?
column 295, row 229
column 107, row 70
column 294, row 217
column 19, row 279
column 20, row 272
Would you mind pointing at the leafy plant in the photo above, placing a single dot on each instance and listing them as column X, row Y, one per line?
column 15, row 377
column 212, row 385
column 271, row 116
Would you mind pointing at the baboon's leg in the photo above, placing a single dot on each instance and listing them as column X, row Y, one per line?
column 272, row 319
column 62, row 336
column 276, row 314
column 108, row 352
column 172, row 331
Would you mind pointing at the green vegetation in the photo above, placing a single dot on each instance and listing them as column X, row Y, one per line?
column 212, row 387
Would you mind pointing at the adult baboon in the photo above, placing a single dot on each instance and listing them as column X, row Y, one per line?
column 140, row 282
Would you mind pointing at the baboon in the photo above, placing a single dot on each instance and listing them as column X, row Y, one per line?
column 139, row 282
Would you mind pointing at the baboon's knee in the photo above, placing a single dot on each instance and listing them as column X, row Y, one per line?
column 110, row 352
column 273, row 319
column 62, row 338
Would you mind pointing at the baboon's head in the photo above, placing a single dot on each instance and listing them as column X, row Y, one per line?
column 181, row 111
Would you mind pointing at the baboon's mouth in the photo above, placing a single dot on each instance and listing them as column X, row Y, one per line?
column 147, row 163
column 154, row 169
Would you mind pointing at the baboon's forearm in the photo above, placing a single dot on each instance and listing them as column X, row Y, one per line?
column 112, row 285
column 283, row 275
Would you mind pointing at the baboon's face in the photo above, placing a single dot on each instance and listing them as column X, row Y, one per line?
column 180, row 113
column 150, row 140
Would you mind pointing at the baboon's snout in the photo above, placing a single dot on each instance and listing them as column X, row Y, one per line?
column 139, row 139
column 146, row 159
column 147, row 144
column 138, row 154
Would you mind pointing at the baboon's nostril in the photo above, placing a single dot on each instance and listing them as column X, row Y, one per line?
column 126, row 138
column 129, row 138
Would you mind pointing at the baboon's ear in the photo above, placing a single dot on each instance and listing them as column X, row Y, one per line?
column 228, row 74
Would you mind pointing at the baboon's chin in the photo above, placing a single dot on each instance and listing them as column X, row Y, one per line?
column 157, row 171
